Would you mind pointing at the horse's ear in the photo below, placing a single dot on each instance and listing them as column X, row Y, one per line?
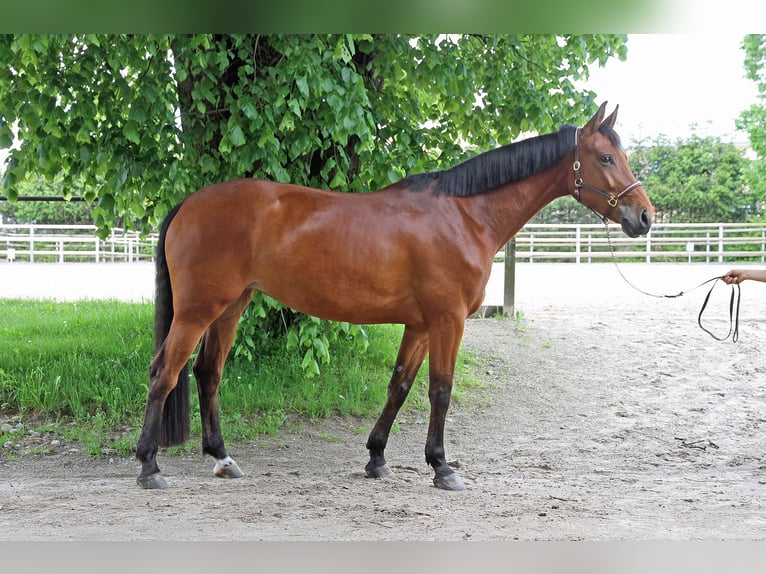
column 612, row 117
column 595, row 121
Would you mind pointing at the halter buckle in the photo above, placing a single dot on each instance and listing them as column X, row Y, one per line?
column 612, row 201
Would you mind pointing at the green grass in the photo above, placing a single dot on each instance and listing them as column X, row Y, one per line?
column 80, row 371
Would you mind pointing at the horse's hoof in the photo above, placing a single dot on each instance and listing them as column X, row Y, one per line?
column 449, row 482
column 152, row 482
column 378, row 471
column 227, row 468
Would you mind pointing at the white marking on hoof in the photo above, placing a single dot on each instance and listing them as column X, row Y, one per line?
column 227, row 468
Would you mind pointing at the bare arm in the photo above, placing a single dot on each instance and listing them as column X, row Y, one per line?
column 740, row 275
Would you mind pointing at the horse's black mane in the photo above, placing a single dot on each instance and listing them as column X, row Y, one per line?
column 497, row 167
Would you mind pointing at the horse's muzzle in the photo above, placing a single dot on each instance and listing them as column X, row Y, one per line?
column 635, row 225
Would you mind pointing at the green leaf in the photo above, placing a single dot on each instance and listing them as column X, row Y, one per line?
column 287, row 124
column 237, row 136
column 303, row 86
column 106, row 202
column 181, row 75
column 341, row 51
column 208, row 164
column 265, row 137
column 40, row 44
column 292, row 338
column 250, row 110
column 131, row 132
column 309, row 364
column 137, row 209
column 295, row 107
column 138, row 114
column 338, row 181
column 321, row 347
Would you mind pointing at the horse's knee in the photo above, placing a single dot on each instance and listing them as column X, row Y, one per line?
column 439, row 396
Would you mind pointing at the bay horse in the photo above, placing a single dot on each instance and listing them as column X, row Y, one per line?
column 417, row 253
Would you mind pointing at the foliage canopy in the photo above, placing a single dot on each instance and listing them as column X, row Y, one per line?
column 145, row 120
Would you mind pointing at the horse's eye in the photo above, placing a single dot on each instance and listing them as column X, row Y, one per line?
column 607, row 159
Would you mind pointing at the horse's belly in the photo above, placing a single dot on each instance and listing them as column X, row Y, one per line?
column 338, row 302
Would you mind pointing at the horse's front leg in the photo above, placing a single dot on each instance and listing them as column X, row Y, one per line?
column 412, row 351
column 445, row 339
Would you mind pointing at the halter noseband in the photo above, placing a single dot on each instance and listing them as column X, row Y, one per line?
column 579, row 184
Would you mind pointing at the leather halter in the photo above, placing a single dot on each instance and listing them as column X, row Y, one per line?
column 611, row 199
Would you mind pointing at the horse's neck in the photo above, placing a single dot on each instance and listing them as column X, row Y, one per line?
column 503, row 212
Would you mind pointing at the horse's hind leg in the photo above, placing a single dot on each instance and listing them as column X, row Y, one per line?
column 165, row 368
column 412, row 351
column 208, row 370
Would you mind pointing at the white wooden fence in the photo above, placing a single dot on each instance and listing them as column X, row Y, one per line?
column 668, row 242
column 674, row 242
column 73, row 243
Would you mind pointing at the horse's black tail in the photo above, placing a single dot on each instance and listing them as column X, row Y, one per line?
column 176, row 416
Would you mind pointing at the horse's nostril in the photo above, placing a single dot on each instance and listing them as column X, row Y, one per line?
column 646, row 219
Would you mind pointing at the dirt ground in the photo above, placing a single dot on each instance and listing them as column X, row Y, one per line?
column 609, row 417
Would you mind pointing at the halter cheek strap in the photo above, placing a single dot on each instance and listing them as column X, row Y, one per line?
column 611, row 199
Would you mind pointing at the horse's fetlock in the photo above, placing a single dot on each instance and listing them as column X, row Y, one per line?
column 376, row 444
column 435, row 456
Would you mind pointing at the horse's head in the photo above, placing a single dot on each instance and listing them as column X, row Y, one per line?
column 603, row 180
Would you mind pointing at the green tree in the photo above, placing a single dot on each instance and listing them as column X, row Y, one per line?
column 753, row 120
column 146, row 120
column 698, row 179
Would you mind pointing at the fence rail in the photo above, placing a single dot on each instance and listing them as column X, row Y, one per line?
column 73, row 243
column 692, row 242
column 671, row 242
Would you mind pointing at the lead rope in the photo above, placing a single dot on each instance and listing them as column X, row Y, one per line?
column 734, row 301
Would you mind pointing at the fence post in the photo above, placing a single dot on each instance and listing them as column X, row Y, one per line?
column 720, row 243
column 649, row 246
column 578, row 246
column 509, row 286
column 31, row 244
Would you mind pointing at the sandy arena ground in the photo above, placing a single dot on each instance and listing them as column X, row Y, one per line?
column 610, row 415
